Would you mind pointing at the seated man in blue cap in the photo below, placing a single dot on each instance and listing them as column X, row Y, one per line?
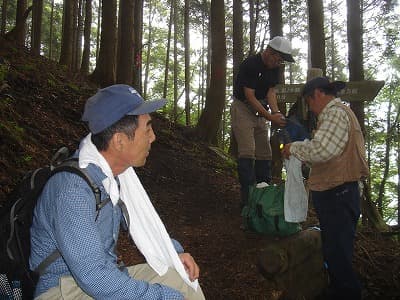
column 66, row 220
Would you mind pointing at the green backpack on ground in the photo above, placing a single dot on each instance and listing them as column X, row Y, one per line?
column 264, row 212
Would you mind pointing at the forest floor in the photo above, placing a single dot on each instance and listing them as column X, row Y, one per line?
column 193, row 188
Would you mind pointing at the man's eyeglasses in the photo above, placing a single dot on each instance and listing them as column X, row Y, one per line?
column 279, row 57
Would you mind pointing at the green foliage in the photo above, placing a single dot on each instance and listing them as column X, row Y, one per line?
column 56, row 27
column 3, row 72
column 14, row 130
column 378, row 136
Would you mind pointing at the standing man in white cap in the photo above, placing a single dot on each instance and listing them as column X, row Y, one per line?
column 254, row 103
column 84, row 238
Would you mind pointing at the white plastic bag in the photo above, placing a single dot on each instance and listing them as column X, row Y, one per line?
column 296, row 198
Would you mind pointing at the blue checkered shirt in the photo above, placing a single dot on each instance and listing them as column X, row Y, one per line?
column 64, row 219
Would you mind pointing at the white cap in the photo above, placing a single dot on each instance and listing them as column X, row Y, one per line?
column 283, row 46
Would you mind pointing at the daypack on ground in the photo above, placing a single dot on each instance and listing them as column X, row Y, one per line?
column 16, row 280
column 264, row 212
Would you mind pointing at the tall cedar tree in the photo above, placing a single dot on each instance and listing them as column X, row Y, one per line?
column 137, row 51
column 86, row 35
column 125, row 42
column 210, row 119
column 20, row 25
column 276, row 29
column 67, row 34
column 317, row 34
column 356, row 70
column 104, row 74
column 187, row 61
column 37, row 14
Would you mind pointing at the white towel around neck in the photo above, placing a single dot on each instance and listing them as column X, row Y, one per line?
column 146, row 228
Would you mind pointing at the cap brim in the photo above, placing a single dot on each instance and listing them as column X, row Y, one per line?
column 286, row 57
column 148, row 107
column 337, row 85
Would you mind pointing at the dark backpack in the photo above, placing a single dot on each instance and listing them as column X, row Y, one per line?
column 17, row 281
column 264, row 212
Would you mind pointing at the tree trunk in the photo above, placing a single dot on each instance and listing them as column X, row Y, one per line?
column 137, row 50
column 20, row 22
column 398, row 172
column 104, row 73
column 237, row 38
column 86, row 36
column 356, row 72
column 252, row 35
column 171, row 12
column 37, row 13
column 75, row 35
column 175, row 108
column 187, row 61
column 381, row 190
column 99, row 9
column 51, row 25
column 67, row 34
column 317, row 34
column 237, row 54
column 125, row 59
column 3, row 17
column 148, row 51
column 210, row 119
column 276, row 29
column 369, row 209
column 79, row 31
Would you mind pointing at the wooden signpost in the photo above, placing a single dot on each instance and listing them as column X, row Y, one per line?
column 354, row 91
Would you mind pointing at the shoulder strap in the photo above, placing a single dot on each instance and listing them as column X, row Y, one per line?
column 71, row 165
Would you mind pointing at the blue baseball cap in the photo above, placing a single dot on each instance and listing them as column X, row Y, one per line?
column 112, row 103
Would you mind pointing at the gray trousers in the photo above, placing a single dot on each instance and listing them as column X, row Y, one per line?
column 69, row 290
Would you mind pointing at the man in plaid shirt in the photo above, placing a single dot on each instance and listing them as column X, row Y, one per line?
column 336, row 154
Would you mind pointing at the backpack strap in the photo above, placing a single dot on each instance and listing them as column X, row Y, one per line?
column 71, row 165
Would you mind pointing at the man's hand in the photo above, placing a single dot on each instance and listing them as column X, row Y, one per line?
column 191, row 267
column 278, row 119
column 286, row 151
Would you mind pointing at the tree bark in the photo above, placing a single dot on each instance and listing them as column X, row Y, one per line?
column 51, row 25
column 137, row 50
column 20, row 22
column 67, row 34
column 86, row 35
column 3, row 17
column 125, row 59
column 237, row 37
column 252, row 21
column 104, row 73
column 175, row 107
column 148, row 50
column 276, row 29
column 187, row 61
column 37, row 13
column 79, row 31
column 356, row 71
column 317, row 34
column 237, row 56
column 171, row 12
column 209, row 122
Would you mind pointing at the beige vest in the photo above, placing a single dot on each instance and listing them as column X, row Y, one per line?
column 349, row 166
